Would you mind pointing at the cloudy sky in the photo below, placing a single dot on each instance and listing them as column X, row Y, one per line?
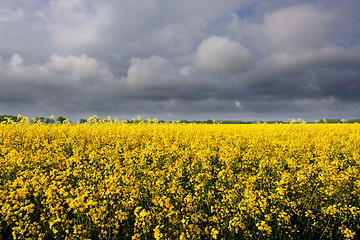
column 173, row 60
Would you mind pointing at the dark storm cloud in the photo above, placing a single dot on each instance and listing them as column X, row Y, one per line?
column 202, row 59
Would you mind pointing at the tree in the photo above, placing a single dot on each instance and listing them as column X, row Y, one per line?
column 83, row 120
column 3, row 118
column 49, row 121
column 329, row 120
column 41, row 119
column 184, row 121
column 60, row 119
column 356, row 120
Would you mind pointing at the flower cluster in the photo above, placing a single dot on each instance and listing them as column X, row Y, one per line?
column 112, row 180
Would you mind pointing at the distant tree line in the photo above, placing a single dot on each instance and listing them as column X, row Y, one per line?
column 5, row 118
column 48, row 120
column 209, row 121
column 357, row 120
column 61, row 119
column 43, row 120
column 330, row 120
column 337, row 120
column 325, row 120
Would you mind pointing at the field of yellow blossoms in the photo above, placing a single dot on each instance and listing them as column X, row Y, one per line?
column 150, row 180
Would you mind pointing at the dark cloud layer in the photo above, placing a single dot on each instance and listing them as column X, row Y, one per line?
column 185, row 60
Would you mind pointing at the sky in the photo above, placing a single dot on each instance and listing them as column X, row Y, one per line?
column 175, row 60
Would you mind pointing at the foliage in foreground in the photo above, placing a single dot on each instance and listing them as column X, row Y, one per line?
column 179, row 181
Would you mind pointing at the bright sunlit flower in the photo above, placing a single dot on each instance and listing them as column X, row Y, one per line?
column 115, row 180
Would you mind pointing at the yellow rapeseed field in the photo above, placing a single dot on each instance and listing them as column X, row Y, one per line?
column 179, row 181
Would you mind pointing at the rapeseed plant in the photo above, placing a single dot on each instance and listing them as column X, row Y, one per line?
column 114, row 180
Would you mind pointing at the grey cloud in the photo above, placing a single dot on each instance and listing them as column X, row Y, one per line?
column 167, row 28
column 203, row 59
column 285, row 65
column 301, row 26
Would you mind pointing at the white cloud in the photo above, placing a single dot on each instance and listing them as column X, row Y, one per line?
column 186, row 71
column 221, row 55
column 150, row 71
column 74, row 23
column 16, row 60
column 296, row 27
column 238, row 105
column 243, row 28
column 11, row 15
column 78, row 67
column 58, row 68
